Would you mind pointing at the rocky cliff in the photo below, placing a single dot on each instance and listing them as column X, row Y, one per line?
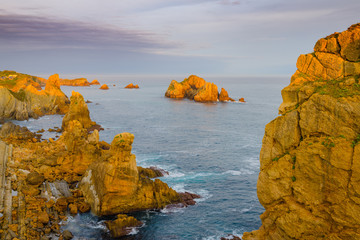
column 197, row 89
column 21, row 96
column 310, row 157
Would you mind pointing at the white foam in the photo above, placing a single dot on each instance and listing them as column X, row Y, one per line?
column 134, row 231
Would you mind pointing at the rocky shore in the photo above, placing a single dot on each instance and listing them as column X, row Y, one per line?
column 22, row 97
column 43, row 182
column 310, row 157
column 197, row 89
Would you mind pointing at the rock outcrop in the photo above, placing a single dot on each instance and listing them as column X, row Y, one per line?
column 104, row 87
column 114, row 185
column 131, row 85
column 95, row 82
column 20, row 97
column 77, row 82
column 224, row 96
column 197, row 89
column 310, row 157
column 78, row 110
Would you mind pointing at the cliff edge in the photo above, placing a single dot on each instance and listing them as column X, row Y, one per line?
column 310, row 157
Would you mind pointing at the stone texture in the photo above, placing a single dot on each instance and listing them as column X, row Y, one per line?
column 122, row 225
column 113, row 185
column 309, row 161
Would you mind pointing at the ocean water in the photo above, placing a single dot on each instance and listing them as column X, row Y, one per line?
column 211, row 149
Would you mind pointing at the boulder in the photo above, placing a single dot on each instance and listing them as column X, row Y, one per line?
column 224, row 96
column 95, row 82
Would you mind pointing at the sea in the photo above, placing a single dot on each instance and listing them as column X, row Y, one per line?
column 211, row 149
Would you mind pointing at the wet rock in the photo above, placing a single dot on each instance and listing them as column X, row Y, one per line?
column 67, row 235
column 122, row 225
column 188, row 198
column 131, row 85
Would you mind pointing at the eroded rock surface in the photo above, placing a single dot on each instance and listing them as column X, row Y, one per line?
column 310, row 157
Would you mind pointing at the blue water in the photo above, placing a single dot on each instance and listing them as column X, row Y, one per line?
column 210, row 149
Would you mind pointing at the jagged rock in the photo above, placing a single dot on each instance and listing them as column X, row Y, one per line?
column 122, row 225
column 152, row 172
column 131, row 85
column 104, row 87
column 113, row 185
column 309, row 161
column 78, row 111
column 194, row 88
column 224, row 96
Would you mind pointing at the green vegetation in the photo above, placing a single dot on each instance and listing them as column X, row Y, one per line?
column 10, row 78
column 356, row 141
column 336, row 87
column 20, row 95
column 293, row 178
column 328, row 142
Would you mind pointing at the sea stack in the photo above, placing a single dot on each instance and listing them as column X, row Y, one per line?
column 197, row 89
column 310, row 158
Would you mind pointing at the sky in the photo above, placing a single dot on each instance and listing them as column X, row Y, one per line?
column 166, row 37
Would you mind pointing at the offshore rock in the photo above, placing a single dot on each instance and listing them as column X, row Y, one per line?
column 194, row 88
column 131, row 85
column 95, row 82
column 113, row 185
column 224, row 96
column 104, row 87
column 309, row 161
column 20, row 97
column 78, row 82
column 78, row 111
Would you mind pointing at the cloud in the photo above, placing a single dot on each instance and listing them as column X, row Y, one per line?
column 40, row 32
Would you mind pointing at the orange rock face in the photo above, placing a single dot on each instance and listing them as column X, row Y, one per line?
column 104, row 87
column 95, row 82
column 194, row 88
column 113, row 185
column 78, row 111
column 224, row 96
column 132, row 86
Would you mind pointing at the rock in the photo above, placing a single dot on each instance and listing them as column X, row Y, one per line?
column 43, row 217
column 230, row 237
column 10, row 130
column 132, row 86
column 242, row 100
column 152, row 172
column 224, row 96
column 78, row 111
column 104, row 87
column 67, row 235
column 309, row 160
column 196, row 88
column 21, row 99
column 122, row 225
column 34, row 178
column 113, row 186
column 78, row 82
column 95, row 82
column 73, row 209
column 188, row 198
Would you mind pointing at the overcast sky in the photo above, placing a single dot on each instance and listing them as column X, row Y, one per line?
column 213, row 37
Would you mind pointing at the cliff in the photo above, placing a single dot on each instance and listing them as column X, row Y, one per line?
column 310, row 157
column 197, row 89
column 21, row 96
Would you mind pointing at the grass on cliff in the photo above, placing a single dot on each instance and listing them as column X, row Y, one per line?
column 20, row 95
column 10, row 78
column 338, row 88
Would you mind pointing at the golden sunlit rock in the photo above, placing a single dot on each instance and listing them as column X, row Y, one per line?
column 309, row 161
